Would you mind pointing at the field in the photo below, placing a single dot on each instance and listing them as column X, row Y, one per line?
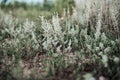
column 82, row 44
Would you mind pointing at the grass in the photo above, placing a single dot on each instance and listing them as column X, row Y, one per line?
column 83, row 45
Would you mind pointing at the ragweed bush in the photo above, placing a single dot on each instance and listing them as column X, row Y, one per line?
column 72, row 44
column 16, row 38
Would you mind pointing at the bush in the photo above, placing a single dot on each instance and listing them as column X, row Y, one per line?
column 84, row 44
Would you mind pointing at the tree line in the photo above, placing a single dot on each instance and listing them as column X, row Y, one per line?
column 57, row 5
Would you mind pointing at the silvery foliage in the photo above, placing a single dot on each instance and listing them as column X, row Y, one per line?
column 66, row 33
column 19, row 35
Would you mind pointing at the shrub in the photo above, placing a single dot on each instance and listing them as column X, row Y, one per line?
column 89, row 37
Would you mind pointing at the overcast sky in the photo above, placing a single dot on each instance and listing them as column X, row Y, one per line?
column 31, row 0
column 35, row 1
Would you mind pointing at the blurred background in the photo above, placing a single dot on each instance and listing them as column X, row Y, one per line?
column 33, row 8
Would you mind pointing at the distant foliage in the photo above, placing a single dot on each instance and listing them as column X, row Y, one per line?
column 60, row 5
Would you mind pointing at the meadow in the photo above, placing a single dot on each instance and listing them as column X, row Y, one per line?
column 82, row 44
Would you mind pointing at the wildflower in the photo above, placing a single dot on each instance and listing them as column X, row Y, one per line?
column 56, row 24
column 88, row 76
column 107, row 50
column 58, row 48
column 100, row 53
column 97, row 49
column 101, row 45
column 89, row 46
column 69, row 46
column 116, row 59
column 98, row 27
column 45, row 45
column 112, row 42
column 105, row 60
column 103, row 37
column 28, row 26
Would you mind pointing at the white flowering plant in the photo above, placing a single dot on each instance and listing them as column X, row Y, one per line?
column 73, row 43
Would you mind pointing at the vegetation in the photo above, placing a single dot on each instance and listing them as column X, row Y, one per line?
column 82, row 44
